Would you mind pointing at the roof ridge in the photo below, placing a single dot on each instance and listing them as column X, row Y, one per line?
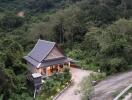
column 50, row 49
column 46, row 41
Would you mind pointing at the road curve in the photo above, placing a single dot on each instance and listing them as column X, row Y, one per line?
column 107, row 89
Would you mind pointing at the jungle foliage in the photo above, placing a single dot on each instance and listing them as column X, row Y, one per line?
column 98, row 33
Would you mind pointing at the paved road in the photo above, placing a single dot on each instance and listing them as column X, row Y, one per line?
column 77, row 76
column 112, row 86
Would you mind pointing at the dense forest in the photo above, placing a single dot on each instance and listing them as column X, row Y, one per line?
column 97, row 33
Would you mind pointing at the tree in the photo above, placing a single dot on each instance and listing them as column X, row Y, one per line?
column 110, row 48
column 10, row 22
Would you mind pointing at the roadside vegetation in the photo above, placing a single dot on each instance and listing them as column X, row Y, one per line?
column 97, row 33
column 87, row 85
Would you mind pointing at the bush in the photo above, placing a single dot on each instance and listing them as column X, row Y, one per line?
column 67, row 75
column 97, row 76
column 86, row 85
column 86, row 88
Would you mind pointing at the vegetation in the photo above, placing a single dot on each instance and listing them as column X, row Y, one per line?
column 54, row 84
column 98, row 33
column 97, row 76
column 86, row 88
column 112, row 49
column 86, row 85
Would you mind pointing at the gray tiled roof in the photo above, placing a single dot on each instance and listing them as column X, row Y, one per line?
column 41, row 50
column 31, row 61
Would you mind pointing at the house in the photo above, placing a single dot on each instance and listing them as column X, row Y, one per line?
column 45, row 59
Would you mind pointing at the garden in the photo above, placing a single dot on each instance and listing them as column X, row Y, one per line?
column 54, row 84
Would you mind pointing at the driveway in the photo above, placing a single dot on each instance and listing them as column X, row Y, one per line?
column 77, row 76
column 112, row 86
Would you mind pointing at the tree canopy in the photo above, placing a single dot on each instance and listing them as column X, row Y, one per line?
column 98, row 33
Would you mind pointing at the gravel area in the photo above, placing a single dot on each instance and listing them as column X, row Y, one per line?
column 77, row 76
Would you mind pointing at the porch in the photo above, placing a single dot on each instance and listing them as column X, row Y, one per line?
column 49, row 70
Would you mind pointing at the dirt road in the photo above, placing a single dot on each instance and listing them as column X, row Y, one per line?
column 107, row 89
column 77, row 76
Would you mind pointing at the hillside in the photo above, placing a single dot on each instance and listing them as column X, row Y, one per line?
column 34, row 6
column 98, row 33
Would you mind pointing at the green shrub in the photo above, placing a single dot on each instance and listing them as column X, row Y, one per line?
column 86, row 88
column 97, row 76
column 86, row 85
